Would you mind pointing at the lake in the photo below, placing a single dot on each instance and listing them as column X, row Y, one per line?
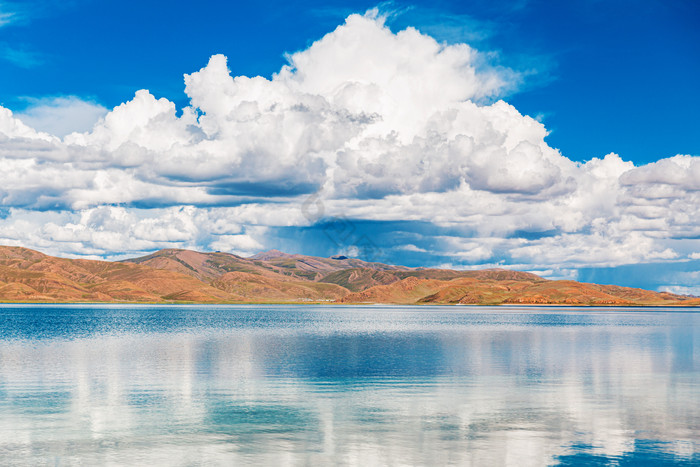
column 344, row 385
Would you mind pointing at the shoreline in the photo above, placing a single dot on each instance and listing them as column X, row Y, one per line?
column 362, row 304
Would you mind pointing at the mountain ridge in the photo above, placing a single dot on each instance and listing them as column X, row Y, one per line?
column 187, row 276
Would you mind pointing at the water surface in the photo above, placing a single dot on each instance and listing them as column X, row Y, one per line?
column 311, row 385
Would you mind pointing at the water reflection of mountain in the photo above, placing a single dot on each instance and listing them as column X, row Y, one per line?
column 447, row 388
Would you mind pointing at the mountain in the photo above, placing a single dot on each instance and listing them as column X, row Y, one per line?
column 184, row 276
column 27, row 275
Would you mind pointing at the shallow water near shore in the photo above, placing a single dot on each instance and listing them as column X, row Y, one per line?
column 344, row 385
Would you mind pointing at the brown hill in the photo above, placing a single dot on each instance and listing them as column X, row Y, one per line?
column 203, row 266
column 315, row 268
column 256, row 287
column 495, row 288
column 405, row 291
column 33, row 276
column 178, row 276
column 273, row 263
column 358, row 279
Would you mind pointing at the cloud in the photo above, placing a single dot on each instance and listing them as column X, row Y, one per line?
column 8, row 14
column 117, row 232
column 411, row 247
column 378, row 125
column 20, row 57
column 242, row 244
column 61, row 116
column 14, row 13
column 449, row 27
column 5, row 17
column 680, row 290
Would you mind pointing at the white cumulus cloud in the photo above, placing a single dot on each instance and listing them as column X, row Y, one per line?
column 382, row 125
column 61, row 116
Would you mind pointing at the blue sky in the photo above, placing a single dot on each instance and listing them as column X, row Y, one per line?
column 605, row 75
column 590, row 187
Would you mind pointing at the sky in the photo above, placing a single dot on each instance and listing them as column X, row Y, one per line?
column 554, row 137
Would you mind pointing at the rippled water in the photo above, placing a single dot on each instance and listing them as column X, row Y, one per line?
column 312, row 385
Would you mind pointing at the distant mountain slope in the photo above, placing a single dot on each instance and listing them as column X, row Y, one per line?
column 406, row 291
column 315, row 268
column 358, row 279
column 273, row 263
column 496, row 289
column 183, row 276
column 32, row 276
column 256, row 287
column 203, row 266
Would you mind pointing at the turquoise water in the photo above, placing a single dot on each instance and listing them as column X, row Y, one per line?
column 319, row 385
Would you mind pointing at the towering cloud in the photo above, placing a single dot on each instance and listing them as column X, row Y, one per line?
column 380, row 126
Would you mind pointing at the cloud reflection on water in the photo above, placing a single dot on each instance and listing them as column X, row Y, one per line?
column 362, row 386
